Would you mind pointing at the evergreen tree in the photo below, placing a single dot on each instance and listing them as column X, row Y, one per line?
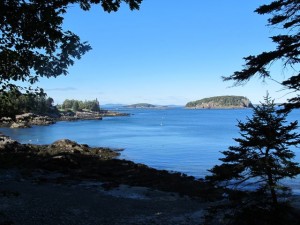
column 284, row 14
column 262, row 157
column 94, row 106
column 75, row 106
column 49, row 102
column 15, row 103
column 251, row 172
column 67, row 104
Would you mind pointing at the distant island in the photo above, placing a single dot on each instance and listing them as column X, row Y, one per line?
column 221, row 102
column 144, row 106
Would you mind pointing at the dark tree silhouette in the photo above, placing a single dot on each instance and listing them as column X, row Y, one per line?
column 12, row 104
column 251, row 172
column 285, row 16
column 33, row 43
column 262, row 156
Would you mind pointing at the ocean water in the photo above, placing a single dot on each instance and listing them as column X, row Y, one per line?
column 174, row 139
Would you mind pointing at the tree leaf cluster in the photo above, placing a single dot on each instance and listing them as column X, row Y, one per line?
column 77, row 105
column 286, row 18
column 33, row 43
column 14, row 103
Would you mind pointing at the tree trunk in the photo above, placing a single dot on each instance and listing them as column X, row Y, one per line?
column 270, row 179
column 272, row 189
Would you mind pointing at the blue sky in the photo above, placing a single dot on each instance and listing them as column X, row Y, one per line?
column 168, row 52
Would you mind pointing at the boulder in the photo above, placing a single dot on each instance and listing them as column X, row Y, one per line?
column 69, row 147
column 106, row 113
column 6, row 121
column 85, row 115
column 42, row 120
column 20, row 125
column 88, row 115
column 26, row 117
column 8, row 144
column 66, row 145
column 67, row 118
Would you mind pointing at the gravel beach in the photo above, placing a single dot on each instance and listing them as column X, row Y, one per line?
column 31, row 200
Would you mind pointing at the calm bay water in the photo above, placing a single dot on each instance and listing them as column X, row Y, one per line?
column 174, row 139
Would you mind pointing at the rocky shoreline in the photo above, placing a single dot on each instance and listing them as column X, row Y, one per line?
column 101, row 188
column 77, row 161
column 27, row 120
column 70, row 183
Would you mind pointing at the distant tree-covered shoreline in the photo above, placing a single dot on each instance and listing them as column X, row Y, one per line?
column 77, row 105
column 221, row 102
column 15, row 103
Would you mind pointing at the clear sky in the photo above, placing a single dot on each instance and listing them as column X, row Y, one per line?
column 168, row 52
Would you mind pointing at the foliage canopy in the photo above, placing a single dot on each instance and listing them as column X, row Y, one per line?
column 76, row 105
column 33, row 43
column 12, row 104
column 285, row 16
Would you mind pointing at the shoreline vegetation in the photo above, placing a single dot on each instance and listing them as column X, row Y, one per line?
column 27, row 110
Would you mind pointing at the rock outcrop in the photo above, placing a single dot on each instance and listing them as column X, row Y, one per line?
column 42, row 120
column 20, row 125
column 28, row 119
column 107, row 113
column 68, row 146
column 76, row 161
column 57, row 149
column 70, row 116
column 6, row 121
column 8, row 144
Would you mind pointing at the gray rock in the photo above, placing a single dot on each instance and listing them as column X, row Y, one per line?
column 8, row 144
column 85, row 115
column 6, row 121
column 25, row 117
column 88, row 115
column 42, row 120
column 67, row 145
column 20, row 125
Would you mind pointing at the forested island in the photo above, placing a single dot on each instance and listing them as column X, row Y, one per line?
column 143, row 106
column 221, row 102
